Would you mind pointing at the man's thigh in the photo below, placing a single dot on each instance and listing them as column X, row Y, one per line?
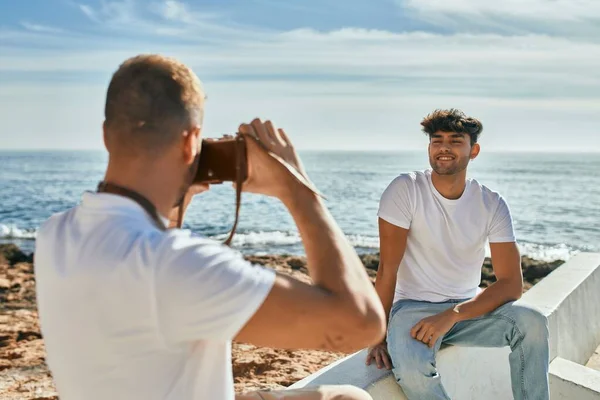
column 497, row 328
column 341, row 392
column 404, row 316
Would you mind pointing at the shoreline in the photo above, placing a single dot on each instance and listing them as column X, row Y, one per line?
column 24, row 374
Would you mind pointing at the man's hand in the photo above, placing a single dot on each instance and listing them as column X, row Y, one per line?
column 430, row 329
column 381, row 356
column 267, row 175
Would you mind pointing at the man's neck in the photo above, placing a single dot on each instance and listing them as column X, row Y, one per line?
column 450, row 186
column 149, row 181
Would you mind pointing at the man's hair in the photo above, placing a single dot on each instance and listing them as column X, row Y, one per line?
column 151, row 99
column 452, row 120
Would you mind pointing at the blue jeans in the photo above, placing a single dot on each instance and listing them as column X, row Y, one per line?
column 524, row 329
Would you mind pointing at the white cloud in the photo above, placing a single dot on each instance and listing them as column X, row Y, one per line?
column 168, row 18
column 350, row 80
column 573, row 18
column 461, row 64
column 89, row 12
column 557, row 10
column 39, row 28
column 175, row 11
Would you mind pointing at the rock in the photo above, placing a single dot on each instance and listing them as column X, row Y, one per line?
column 370, row 261
column 13, row 254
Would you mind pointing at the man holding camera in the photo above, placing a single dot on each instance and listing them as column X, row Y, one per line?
column 433, row 228
column 130, row 308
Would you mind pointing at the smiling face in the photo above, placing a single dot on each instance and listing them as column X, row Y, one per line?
column 450, row 152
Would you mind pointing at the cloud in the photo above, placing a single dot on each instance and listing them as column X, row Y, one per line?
column 88, row 12
column 40, row 28
column 169, row 19
column 488, row 65
column 572, row 18
column 351, row 80
column 556, row 10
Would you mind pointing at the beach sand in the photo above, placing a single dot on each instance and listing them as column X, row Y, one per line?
column 24, row 375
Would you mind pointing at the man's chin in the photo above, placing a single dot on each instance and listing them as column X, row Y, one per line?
column 444, row 170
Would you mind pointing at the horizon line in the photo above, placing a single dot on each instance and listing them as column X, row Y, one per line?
column 348, row 150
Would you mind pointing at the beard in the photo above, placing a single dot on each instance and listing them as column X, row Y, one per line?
column 448, row 167
column 188, row 180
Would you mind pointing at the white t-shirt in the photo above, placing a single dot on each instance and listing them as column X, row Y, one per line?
column 446, row 242
column 131, row 312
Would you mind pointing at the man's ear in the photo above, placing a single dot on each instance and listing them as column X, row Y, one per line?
column 105, row 138
column 191, row 144
column 475, row 151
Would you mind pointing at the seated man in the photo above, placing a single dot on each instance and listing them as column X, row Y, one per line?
column 433, row 228
column 132, row 310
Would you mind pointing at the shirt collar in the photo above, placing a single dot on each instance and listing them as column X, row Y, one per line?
column 113, row 203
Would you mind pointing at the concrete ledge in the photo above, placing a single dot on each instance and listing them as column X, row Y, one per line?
column 570, row 299
column 467, row 373
column 569, row 380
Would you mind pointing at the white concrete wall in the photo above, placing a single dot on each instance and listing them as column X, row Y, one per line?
column 569, row 380
column 569, row 297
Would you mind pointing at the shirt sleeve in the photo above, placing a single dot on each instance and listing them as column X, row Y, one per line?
column 395, row 205
column 501, row 228
column 205, row 290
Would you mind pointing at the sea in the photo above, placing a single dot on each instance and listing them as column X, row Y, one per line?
column 554, row 198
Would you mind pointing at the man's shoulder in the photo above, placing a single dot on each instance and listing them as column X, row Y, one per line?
column 410, row 179
column 183, row 248
column 485, row 191
column 48, row 228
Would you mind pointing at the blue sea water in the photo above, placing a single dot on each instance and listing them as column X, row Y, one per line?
column 554, row 198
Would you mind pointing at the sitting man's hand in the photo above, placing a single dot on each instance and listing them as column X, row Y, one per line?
column 430, row 329
column 380, row 354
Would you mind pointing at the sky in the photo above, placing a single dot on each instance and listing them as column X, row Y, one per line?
column 339, row 75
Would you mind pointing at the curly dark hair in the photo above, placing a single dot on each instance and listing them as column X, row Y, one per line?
column 452, row 120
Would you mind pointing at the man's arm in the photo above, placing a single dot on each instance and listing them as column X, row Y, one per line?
column 392, row 244
column 340, row 311
column 506, row 262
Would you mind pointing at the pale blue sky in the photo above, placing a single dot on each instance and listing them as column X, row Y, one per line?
column 355, row 74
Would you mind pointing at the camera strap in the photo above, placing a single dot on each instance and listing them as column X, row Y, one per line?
column 239, row 182
column 106, row 187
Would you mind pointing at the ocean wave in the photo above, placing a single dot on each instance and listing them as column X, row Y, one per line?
column 279, row 238
column 274, row 241
column 547, row 253
column 272, row 238
column 14, row 232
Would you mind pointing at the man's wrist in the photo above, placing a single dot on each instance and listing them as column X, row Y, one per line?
column 296, row 195
column 455, row 313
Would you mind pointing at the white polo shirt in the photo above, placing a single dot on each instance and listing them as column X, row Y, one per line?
column 446, row 241
column 131, row 312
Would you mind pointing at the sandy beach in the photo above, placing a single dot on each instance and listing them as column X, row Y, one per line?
column 24, row 374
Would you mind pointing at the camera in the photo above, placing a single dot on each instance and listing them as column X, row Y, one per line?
column 222, row 160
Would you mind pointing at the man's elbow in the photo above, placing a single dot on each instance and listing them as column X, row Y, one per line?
column 368, row 326
column 515, row 289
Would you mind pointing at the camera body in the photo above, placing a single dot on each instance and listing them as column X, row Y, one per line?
column 222, row 160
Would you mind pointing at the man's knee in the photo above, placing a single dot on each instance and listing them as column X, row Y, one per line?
column 531, row 323
column 412, row 360
column 326, row 392
column 345, row 392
